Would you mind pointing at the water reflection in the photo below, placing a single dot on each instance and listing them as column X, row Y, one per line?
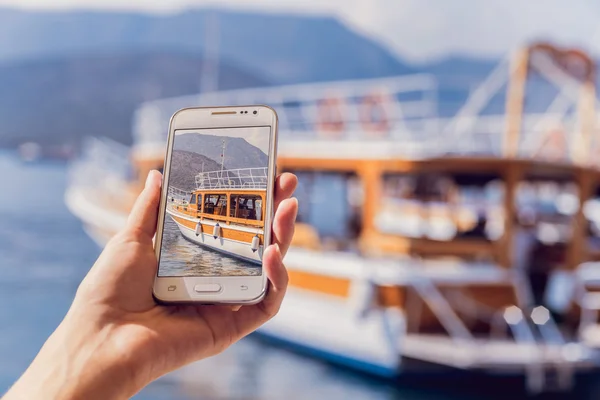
column 255, row 370
column 180, row 257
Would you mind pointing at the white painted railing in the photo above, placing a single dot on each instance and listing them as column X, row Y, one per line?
column 243, row 178
column 178, row 196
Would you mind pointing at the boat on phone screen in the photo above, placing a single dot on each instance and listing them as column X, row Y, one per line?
column 467, row 241
column 225, row 213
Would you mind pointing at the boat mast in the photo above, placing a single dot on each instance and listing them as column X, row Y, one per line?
column 209, row 76
column 223, row 157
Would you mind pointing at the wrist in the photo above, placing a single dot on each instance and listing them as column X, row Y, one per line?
column 75, row 363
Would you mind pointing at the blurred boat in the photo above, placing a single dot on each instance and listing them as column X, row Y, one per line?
column 456, row 241
column 31, row 152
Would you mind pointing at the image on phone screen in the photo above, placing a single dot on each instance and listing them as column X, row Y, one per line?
column 216, row 203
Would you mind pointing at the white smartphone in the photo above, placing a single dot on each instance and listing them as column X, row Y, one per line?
column 216, row 207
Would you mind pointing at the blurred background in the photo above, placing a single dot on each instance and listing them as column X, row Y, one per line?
column 449, row 221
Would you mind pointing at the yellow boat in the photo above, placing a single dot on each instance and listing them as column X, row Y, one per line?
column 225, row 213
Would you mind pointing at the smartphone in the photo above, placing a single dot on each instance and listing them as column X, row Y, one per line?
column 216, row 207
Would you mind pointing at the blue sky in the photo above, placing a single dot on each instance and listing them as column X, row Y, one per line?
column 417, row 30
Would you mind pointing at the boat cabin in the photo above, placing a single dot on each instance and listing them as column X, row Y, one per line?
column 234, row 196
column 229, row 206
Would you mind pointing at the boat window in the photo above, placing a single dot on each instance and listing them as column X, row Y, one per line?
column 479, row 210
column 591, row 210
column 215, row 204
column 332, row 204
column 434, row 206
column 551, row 205
column 193, row 199
column 409, row 202
column 246, row 207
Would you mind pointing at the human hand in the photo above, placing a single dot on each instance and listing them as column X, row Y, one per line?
column 115, row 339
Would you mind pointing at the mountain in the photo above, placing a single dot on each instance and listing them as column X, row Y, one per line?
column 64, row 99
column 457, row 66
column 238, row 152
column 67, row 75
column 185, row 165
column 281, row 48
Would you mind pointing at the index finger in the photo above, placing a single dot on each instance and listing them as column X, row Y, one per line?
column 248, row 319
column 144, row 213
column 285, row 186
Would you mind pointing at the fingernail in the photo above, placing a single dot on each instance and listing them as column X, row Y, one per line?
column 153, row 179
column 148, row 180
column 295, row 200
column 277, row 249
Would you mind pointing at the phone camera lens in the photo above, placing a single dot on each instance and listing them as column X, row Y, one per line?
column 255, row 112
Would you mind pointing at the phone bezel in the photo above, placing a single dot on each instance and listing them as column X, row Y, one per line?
column 233, row 291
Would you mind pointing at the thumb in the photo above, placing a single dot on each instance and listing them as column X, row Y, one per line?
column 144, row 213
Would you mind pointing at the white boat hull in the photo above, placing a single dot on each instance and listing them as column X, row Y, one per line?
column 347, row 331
column 232, row 248
column 331, row 328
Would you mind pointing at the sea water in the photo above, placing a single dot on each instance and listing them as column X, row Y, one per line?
column 181, row 257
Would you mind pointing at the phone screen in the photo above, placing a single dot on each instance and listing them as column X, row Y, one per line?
column 216, row 203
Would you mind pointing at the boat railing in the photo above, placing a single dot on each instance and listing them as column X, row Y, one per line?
column 103, row 165
column 178, row 196
column 540, row 333
column 515, row 319
column 407, row 110
column 551, row 335
column 511, row 316
column 368, row 108
column 536, row 331
column 243, row 178
column 442, row 309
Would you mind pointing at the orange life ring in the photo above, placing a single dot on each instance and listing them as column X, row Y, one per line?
column 554, row 146
column 374, row 104
column 330, row 116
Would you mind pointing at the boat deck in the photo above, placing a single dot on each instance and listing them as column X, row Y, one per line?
column 496, row 355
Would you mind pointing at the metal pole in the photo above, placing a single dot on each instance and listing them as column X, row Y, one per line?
column 209, row 79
